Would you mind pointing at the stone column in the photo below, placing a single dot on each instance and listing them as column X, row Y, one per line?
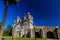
column 32, row 33
column 55, row 36
column 44, row 33
column 59, row 33
column 15, row 34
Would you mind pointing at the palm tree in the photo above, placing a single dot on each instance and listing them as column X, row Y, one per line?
column 7, row 2
column 0, row 25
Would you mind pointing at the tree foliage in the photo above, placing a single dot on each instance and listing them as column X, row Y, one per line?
column 8, row 31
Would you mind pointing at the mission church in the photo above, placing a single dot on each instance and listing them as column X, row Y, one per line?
column 26, row 28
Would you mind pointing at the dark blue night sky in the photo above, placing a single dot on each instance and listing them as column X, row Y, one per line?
column 45, row 12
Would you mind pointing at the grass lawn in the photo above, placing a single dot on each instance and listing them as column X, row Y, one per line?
column 18, row 38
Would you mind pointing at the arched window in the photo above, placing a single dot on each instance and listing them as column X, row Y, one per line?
column 50, row 34
column 39, row 34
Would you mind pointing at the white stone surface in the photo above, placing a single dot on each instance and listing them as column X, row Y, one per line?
column 19, row 26
column 50, row 39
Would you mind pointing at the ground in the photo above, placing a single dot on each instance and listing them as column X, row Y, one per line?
column 18, row 38
column 10, row 38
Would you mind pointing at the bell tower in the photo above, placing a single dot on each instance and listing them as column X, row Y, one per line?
column 28, row 19
column 17, row 27
column 17, row 20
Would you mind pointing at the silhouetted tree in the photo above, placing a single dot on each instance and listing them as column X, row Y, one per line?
column 8, row 31
column 6, row 2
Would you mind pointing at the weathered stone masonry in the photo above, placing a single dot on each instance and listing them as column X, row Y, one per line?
column 26, row 28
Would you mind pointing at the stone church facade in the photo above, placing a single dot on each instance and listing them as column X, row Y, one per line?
column 25, row 28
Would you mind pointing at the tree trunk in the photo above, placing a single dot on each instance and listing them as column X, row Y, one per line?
column 3, row 20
